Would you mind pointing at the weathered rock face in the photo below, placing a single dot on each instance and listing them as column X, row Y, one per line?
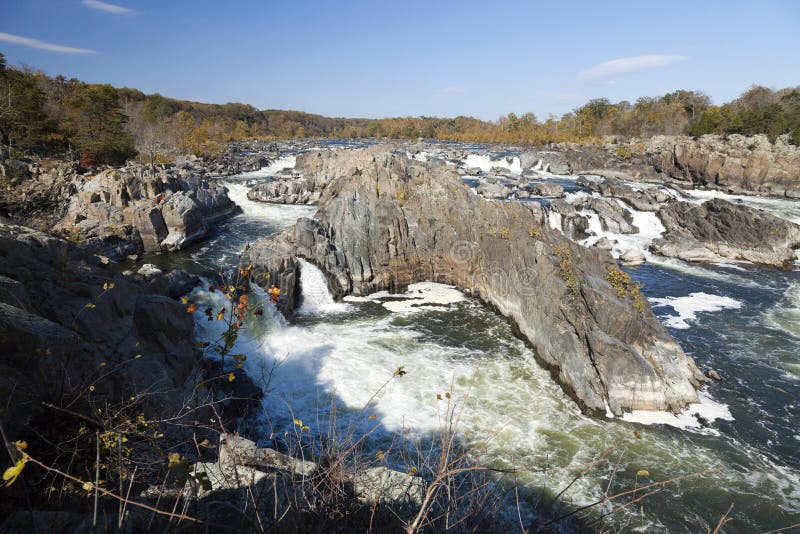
column 166, row 211
column 719, row 229
column 748, row 165
column 738, row 163
column 645, row 200
column 65, row 325
column 386, row 221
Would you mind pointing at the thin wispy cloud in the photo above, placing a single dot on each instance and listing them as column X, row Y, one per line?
column 41, row 45
column 627, row 65
column 109, row 8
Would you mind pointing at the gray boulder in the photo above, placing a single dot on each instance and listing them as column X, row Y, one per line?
column 719, row 229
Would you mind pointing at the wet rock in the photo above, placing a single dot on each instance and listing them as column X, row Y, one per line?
column 632, row 256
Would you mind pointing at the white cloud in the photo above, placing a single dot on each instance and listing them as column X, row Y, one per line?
column 110, row 8
column 41, row 45
column 627, row 65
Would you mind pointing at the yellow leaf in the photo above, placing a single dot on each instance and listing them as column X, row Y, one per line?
column 231, row 377
column 184, row 300
column 107, row 286
column 88, row 486
column 642, row 473
column 220, row 316
column 298, row 422
column 90, row 305
column 174, row 459
column 21, row 445
column 91, row 388
column 137, row 356
column 373, row 416
column 10, row 475
column 379, row 455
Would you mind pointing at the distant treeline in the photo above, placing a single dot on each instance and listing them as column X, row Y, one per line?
column 103, row 124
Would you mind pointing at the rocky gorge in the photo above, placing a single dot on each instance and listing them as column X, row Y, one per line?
column 375, row 230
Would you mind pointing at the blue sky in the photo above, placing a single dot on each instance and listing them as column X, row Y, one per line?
column 381, row 58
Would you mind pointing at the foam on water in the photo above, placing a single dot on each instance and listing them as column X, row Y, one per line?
column 689, row 306
column 695, row 417
column 422, row 296
column 484, row 163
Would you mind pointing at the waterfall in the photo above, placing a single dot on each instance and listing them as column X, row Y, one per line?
column 316, row 297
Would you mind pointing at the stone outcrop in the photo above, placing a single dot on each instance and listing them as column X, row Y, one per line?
column 386, row 221
column 66, row 325
column 148, row 212
column 736, row 164
column 719, row 229
column 641, row 200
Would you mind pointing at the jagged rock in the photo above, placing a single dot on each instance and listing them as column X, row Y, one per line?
column 173, row 284
column 646, row 200
column 603, row 243
column 632, row 256
column 236, row 450
column 606, row 350
column 494, row 190
column 738, row 163
column 401, row 492
column 118, row 212
column 548, row 189
column 718, row 229
column 71, row 323
column 545, row 160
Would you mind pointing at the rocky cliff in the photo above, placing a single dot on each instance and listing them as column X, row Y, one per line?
column 738, row 164
column 385, row 221
column 117, row 212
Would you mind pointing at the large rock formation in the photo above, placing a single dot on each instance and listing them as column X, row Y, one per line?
column 151, row 212
column 748, row 165
column 718, row 229
column 304, row 185
column 386, row 221
column 66, row 325
column 737, row 164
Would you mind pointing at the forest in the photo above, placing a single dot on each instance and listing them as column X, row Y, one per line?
column 101, row 124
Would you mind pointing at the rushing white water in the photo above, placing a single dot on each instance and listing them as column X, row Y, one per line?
column 485, row 164
column 283, row 216
column 316, row 298
column 689, row 306
column 284, row 162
